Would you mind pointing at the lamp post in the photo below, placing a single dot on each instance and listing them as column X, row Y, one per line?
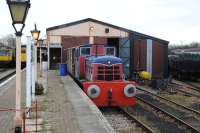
column 35, row 34
column 40, row 41
column 18, row 10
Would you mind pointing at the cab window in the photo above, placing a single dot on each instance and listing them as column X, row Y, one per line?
column 110, row 51
column 85, row 51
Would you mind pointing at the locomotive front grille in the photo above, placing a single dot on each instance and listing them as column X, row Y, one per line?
column 108, row 73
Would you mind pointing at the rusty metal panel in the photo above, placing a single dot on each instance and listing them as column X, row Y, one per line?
column 159, row 60
column 159, row 57
column 140, row 54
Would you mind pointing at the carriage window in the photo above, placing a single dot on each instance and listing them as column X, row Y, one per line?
column 3, row 53
column 23, row 50
column 85, row 51
column 110, row 51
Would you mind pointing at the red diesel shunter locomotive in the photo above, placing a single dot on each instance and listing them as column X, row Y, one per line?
column 101, row 75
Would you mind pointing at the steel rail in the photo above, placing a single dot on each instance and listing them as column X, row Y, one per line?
column 7, row 76
column 187, row 93
column 187, row 85
column 194, row 87
column 1, row 70
column 189, row 127
column 179, row 105
column 141, row 124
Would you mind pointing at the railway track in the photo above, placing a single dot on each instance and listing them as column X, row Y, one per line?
column 2, row 70
column 123, row 121
column 6, row 75
column 143, row 126
column 186, row 91
column 172, row 102
column 175, row 119
column 187, row 88
column 193, row 86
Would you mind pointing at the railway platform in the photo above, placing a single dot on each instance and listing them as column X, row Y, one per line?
column 64, row 108
column 68, row 110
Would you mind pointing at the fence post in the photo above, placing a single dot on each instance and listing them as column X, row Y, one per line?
column 36, row 114
column 24, row 122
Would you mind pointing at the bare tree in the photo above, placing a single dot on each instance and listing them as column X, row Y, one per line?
column 8, row 40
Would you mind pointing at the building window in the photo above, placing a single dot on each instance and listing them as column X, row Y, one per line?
column 85, row 51
column 110, row 51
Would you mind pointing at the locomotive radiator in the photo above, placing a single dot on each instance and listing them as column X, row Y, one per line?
column 108, row 73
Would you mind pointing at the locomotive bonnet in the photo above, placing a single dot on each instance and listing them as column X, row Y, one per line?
column 107, row 60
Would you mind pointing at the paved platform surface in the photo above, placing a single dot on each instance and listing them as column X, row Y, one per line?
column 63, row 109
column 66, row 109
column 7, row 100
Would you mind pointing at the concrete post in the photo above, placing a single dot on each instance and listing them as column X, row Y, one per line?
column 36, row 62
column 28, row 72
column 40, row 61
column 33, row 71
column 18, row 117
column 48, row 51
column 91, row 39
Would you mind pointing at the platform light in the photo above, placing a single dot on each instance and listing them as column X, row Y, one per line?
column 18, row 10
column 91, row 28
column 35, row 33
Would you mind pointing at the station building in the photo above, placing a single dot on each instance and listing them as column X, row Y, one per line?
column 137, row 51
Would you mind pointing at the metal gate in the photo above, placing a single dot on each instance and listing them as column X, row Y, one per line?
column 124, row 54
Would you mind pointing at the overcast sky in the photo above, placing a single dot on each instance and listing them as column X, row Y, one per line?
column 173, row 20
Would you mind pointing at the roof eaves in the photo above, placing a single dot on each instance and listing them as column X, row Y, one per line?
column 148, row 36
column 67, row 24
column 108, row 24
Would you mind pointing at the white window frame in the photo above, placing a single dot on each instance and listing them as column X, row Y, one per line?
column 84, row 54
column 110, row 47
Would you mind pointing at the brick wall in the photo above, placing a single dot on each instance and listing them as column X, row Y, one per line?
column 100, row 40
column 68, row 42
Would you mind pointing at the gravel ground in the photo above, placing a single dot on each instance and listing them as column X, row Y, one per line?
column 195, row 106
column 153, row 120
column 119, row 121
column 187, row 117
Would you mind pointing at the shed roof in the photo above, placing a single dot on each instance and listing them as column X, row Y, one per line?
column 107, row 24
